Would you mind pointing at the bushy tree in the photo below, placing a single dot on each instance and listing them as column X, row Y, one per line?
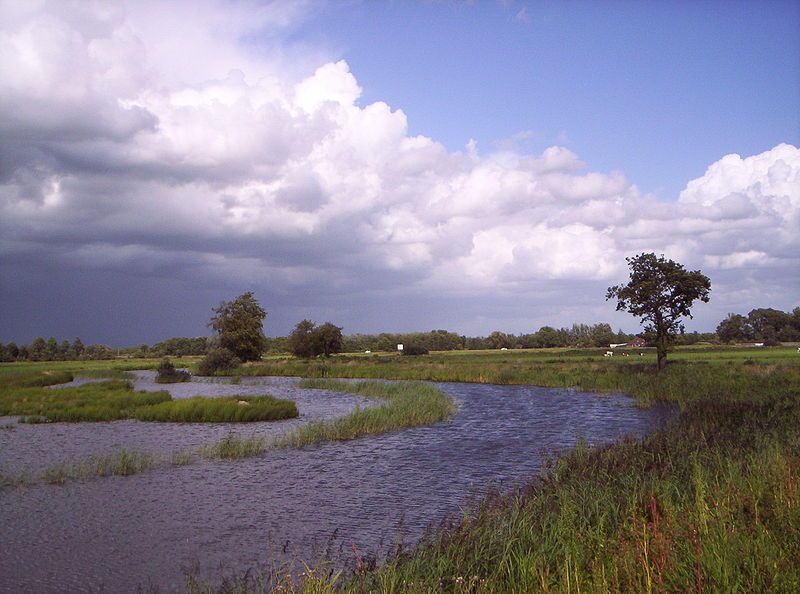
column 414, row 350
column 218, row 359
column 239, row 325
column 308, row 340
column 660, row 292
column 167, row 374
column 734, row 328
column 328, row 339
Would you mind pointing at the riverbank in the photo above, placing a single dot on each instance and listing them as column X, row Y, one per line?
column 710, row 503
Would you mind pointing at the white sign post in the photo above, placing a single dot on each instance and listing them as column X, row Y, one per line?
column 399, row 347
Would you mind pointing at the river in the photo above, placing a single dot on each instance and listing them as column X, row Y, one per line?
column 217, row 517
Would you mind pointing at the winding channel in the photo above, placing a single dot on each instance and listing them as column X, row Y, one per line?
column 118, row 533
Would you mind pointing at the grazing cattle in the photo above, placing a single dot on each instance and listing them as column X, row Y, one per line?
column 609, row 354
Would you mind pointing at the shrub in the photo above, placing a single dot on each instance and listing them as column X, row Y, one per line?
column 414, row 350
column 220, row 359
column 167, row 374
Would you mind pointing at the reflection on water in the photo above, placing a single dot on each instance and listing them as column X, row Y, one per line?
column 119, row 532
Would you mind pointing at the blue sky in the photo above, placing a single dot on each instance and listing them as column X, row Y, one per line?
column 390, row 166
column 656, row 89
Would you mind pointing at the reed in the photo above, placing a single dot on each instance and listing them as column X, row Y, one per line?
column 233, row 409
column 404, row 404
column 233, row 447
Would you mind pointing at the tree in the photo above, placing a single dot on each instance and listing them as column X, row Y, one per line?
column 328, row 339
column 734, row 328
column 301, row 340
column 659, row 293
column 308, row 340
column 239, row 325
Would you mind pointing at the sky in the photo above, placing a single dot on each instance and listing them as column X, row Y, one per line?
column 390, row 166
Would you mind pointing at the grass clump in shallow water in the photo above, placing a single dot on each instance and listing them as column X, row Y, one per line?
column 106, row 401
column 120, row 463
column 233, row 446
column 405, row 404
column 234, row 409
column 26, row 397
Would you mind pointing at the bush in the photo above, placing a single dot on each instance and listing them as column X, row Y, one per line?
column 167, row 374
column 414, row 350
column 220, row 359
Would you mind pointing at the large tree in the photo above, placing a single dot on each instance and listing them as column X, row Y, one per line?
column 308, row 340
column 660, row 292
column 239, row 324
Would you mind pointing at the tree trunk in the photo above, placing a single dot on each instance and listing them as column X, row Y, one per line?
column 661, row 351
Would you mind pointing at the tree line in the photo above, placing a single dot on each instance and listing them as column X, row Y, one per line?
column 767, row 325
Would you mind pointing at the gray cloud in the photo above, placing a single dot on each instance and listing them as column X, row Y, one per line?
column 121, row 170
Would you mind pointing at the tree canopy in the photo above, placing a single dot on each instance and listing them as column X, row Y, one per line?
column 660, row 292
column 308, row 340
column 239, row 325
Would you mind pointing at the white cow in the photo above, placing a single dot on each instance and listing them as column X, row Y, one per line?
column 609, row 354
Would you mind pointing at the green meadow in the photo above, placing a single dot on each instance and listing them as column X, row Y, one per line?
column 711, row 502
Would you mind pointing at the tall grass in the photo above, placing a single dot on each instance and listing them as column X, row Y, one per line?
column 234, row 409
column 709, row 503
column 404, row 404
column 113, row 400
column 120, row 463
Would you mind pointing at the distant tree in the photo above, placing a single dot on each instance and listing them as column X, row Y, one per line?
column 239, row 325
column 308, row 340
column 500, row 340
column 547, row 337
column 13, row 350
column 167, row 374
column 602, row 335
column 37, row 349
column 659, row 293
column 301, row 340
column 328, row 339
column 77, row 347
column 65, row 351
column 734, row 328
column 217, row 359
column 414, row 350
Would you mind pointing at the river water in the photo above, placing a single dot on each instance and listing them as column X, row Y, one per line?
column 118, row 533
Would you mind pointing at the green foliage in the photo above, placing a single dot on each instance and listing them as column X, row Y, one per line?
column 405, row 404
column 660, row 292
column 414, row 350
column 216, row 360
column 167, row 374
column 239, row 325
column 308, row 340
column 234, row 409
column 24, row 395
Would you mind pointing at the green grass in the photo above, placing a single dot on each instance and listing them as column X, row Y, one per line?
column 709, row 503
column 404, row 404
column 120, row 463
column 234, row 409
column 23, row 394
column 106, row 401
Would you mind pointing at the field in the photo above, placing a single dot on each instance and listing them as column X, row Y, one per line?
column 709, row 503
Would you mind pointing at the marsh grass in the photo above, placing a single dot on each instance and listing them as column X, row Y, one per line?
column 233, row 409
column 120, row 463
column 106, row 401
column 233, row 447
column 709, row 503
column 404, row 404
column 26, row 397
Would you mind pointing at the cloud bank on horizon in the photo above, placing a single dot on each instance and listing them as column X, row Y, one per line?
column 207, row 152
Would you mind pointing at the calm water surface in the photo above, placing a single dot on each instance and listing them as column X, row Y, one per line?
column 117, row 533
